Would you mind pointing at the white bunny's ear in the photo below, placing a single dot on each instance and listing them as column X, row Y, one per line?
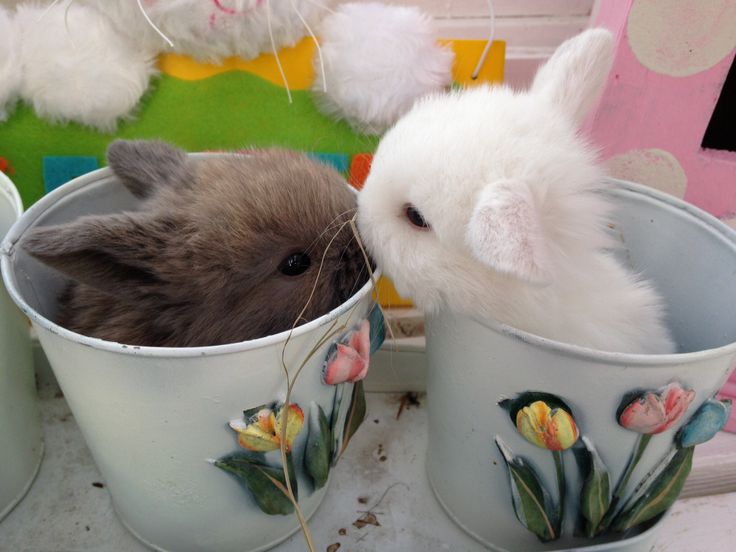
column 574, row 76
column 505, row 232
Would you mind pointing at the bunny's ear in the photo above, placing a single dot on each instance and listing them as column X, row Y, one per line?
column 144, row 165
column 505, row 232
column 574, row 76
column 114, row 253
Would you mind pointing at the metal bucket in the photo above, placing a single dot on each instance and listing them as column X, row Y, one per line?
column 691, row 258
column 157, row 419
column 21, row 444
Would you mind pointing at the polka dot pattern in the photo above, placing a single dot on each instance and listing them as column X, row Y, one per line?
column 654, row 167
column 681, row 37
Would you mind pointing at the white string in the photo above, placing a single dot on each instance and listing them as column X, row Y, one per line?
column 484, row 55
column 47, row 10
column 275, row 53
column 152, row 24
column 66, row 25
column 316, row 43
column 66, row 19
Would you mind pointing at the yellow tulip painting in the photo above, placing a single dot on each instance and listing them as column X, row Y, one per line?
column 548, row 428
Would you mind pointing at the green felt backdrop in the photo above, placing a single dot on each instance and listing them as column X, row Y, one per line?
column 228, row 111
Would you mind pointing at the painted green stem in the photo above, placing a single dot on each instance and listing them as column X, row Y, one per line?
column 618, row 492
column 641, row 486
column 639, row 448
column 561, row 486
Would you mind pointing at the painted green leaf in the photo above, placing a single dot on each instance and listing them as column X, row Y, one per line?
column 532, row 503
column 661, row 494
column 355, row 415
column 317, row 454
column 595, row 496
column 346, row 417
column 337, row 420
column 266, row 483
column 378, row 328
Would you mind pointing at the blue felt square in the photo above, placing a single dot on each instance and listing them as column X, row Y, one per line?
column 339, row 161
column 58, row 170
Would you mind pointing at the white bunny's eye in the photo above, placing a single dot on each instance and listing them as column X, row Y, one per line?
column 415, row 218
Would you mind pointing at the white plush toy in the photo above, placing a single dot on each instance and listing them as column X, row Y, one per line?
column 9, row 65
column 210, row 30
column 377, row 60
column 486, row 202
column 90, row 61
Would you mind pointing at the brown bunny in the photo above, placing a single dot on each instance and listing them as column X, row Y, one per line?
column 224, row 249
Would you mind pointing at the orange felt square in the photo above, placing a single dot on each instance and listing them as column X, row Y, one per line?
column 360, row 165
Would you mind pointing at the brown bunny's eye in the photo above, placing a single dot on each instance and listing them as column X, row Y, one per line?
column 415, row 217
column 295, row 264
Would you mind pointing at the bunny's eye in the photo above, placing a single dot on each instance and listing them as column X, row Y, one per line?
column 415, row 217
column 295, row 264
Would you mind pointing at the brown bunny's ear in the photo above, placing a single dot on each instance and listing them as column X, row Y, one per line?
column 114, row 253
column 146, row 165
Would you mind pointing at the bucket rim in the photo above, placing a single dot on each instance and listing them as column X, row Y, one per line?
column 10, row 192
column 623, row 187
column 47, row 202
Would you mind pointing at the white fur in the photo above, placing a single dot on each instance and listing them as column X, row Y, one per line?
column 378, row 60
column 81, row 70
column 211, row 30
column 9, row 70
column 570, row 90
column 518, row 232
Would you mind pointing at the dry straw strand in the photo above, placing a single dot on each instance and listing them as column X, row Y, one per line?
column 153, row 25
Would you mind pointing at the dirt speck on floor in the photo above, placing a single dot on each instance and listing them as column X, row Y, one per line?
column 406, row 401
column 368, row 518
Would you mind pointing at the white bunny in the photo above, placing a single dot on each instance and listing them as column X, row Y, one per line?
column 485, row 202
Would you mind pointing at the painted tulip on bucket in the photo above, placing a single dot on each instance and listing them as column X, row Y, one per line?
column 653, row 412
column 261, row 432
column 705, row 423
column 552, row 429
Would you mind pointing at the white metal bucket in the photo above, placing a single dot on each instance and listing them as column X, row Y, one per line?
column 156, row 418
column 691, row 257
column 21, row 444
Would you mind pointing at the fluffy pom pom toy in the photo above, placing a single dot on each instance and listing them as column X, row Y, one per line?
column 9, row 74
column 378, row 60
column 75, row 67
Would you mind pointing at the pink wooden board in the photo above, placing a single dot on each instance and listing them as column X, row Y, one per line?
column 672, row 58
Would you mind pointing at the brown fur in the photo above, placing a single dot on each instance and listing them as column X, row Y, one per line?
column 198, row 265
